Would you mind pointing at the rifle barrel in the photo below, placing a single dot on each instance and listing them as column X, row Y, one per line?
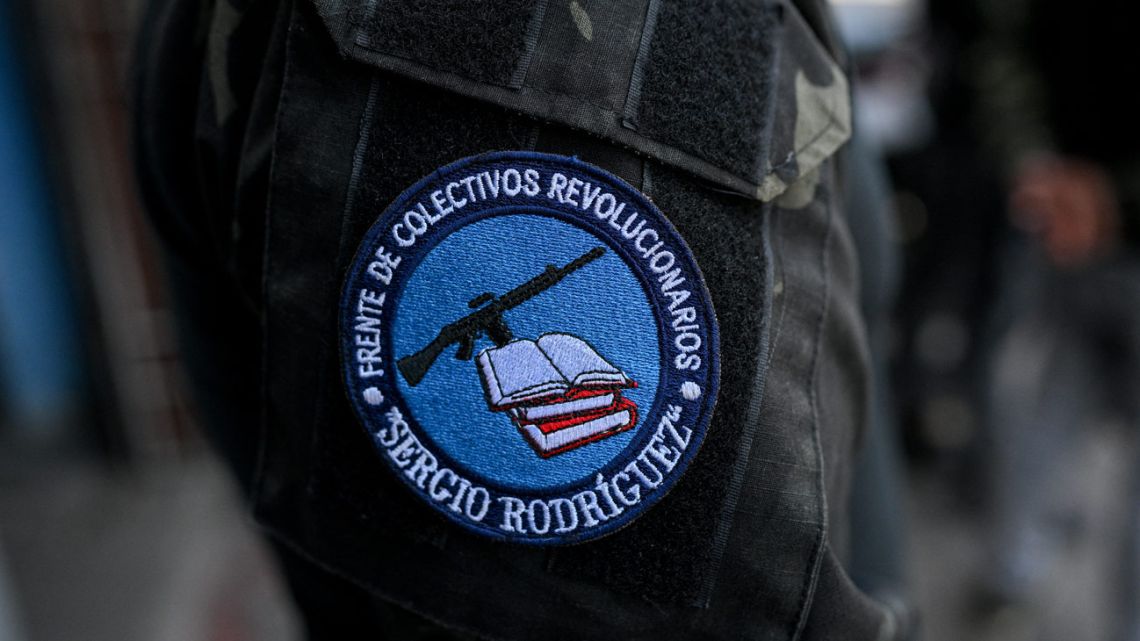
column 549, row 277
column 415, row 366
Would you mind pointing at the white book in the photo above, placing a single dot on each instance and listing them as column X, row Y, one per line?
column 571, row 407
column 526, row 372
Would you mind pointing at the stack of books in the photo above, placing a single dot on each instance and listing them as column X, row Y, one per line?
column 558, row 391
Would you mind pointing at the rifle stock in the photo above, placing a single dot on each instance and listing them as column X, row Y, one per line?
column 415, row 366
column 488, row 319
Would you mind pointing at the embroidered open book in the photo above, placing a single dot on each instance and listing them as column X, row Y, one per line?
column 558, row 390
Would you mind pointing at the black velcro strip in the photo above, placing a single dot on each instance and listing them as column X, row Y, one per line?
column 480, row 39
column 665, row 556
column 710, row 64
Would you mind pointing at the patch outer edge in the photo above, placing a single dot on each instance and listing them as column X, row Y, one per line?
column 375, row 237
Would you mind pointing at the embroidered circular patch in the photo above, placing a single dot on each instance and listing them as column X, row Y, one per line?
column 531, row 346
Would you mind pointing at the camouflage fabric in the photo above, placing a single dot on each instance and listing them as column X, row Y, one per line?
column 794, row 137
column 822, row 123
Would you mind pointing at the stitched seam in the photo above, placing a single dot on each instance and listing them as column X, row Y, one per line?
column 723, row 179
column 532, row 137
column 363, row 136
column 808, row 593
column 605, row 109
column 832, row 121
column 752, row 420
column 832, row 124
column 764, row 154
column 530, row 45
column 380, row 52
column 356, row 34
column 637, row 75
column 778, row 326
column 361, row 147
column 263, row 431
column 624, row 117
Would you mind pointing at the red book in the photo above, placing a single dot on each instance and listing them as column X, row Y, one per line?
column 574, row 404
column 564, row 434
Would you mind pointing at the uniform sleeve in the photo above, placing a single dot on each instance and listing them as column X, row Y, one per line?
column 449, row 179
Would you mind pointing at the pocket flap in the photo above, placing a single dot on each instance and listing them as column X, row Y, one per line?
column 738, row 92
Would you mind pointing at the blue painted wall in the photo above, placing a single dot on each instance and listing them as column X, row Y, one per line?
column 40, row 349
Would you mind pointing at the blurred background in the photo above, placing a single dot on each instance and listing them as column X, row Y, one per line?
column 115, row 520
column 1010, row 345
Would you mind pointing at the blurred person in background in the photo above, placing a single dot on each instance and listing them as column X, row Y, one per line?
column 1057, row 109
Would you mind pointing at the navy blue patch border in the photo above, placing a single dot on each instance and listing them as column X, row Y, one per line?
column 506, row 205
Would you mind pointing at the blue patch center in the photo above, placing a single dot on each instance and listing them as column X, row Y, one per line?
column 530, row 346
column 602, row 303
